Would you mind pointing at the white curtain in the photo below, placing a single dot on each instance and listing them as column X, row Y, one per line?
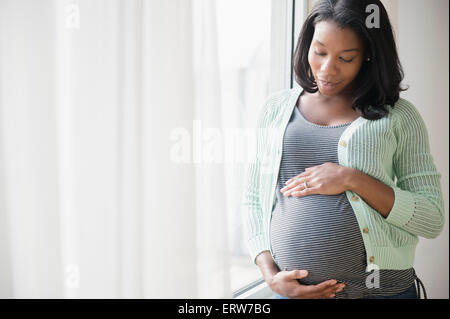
column 104, row 107
column 213, row 258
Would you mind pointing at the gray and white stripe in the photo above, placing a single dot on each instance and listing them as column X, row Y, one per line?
column 320, row 233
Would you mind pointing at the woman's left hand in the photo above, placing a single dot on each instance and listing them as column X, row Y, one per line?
column 325, row 179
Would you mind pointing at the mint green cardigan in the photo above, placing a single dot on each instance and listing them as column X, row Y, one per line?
column 395, row 150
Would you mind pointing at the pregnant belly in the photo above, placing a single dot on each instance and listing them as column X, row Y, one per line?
column 320, row 234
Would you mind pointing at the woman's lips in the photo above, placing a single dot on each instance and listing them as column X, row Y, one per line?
column 328, row 85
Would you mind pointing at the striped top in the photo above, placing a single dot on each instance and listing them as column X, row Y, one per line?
column 320, row 233
column 395, row 150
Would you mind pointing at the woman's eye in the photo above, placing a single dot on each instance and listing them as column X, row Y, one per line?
column 346, row 61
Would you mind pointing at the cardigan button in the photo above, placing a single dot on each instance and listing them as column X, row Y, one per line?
column 372, row 259
column 343, row 143
column 355, row 198
column 365, row 230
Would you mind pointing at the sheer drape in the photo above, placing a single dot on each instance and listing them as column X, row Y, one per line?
column 93, row 201
column 213, row 252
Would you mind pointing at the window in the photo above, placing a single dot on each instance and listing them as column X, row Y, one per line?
column 255, row 43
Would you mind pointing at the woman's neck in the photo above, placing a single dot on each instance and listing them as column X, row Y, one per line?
column 332, row 106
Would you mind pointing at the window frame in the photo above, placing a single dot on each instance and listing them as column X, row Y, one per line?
column 286, row 22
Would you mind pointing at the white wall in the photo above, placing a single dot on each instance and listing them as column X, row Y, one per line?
column 423, row 48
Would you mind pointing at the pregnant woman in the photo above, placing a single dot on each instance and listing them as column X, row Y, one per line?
column 343, row 181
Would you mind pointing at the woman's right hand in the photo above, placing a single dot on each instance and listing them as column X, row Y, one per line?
column 285, row 284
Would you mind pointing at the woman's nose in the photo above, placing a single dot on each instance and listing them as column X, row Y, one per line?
column 329, row 67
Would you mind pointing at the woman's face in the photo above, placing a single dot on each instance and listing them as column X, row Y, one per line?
column 335, row 56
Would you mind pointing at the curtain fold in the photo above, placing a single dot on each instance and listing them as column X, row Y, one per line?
column 211, row 206
column 93, row 202
column 30, row 254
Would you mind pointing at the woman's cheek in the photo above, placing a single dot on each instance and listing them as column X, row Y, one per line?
column 313, row 64
column 311, row 60
column 355, row 70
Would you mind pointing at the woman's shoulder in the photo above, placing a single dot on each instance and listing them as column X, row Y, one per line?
column 279, row 97
column 274, row 103
column 405, row 112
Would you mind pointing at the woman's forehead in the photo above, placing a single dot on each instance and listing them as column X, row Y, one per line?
column 331, row 36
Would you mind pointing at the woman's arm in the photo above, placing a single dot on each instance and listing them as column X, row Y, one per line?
column 252, row 214
column 267, row 266
column 418, row 204
column 376, row 194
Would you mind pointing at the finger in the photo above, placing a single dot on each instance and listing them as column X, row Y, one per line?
column 311, row 292
column 292, row 182
column 305, row 191
column 330, row 292
column 301, row 175
column 325, row 289
column 309, row 169
column 325, row 285
column 297, row 274
column 298, row 185
column 292, row 188
column 339, row 287
column 333, row 290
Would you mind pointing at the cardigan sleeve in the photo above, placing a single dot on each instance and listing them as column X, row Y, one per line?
column 418, row 206
column 252, row 213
